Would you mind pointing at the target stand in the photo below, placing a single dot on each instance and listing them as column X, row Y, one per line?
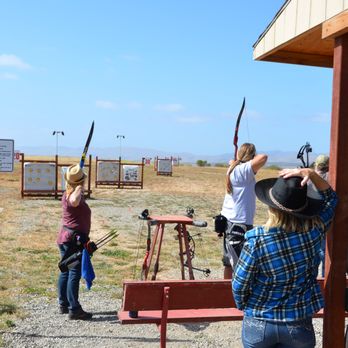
column 183, row 238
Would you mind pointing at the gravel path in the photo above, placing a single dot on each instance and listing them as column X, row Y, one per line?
column 43, row 327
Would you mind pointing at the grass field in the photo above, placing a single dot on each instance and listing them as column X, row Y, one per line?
column 29, row 226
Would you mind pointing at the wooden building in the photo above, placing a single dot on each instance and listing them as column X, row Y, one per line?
column 315, row 33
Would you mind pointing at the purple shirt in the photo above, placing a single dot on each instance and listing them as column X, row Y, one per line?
column 75, row 218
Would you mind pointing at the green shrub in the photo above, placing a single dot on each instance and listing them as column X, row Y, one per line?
column 223, row 165
column 202, row 163
column 274, row 167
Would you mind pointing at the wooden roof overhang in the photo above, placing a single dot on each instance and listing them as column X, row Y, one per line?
column 315, row 33
column 303, row 34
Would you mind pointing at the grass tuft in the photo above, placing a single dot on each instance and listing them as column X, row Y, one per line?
column 7, row 308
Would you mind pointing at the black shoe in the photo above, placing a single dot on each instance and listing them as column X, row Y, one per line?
column 63, row 310
column 80, row 314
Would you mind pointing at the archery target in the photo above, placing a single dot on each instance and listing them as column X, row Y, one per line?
column 62, row 178
column 164, row 165
column 130, row 173
column 39, row 176
column 108, row 171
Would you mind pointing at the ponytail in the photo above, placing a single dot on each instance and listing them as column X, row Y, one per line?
column 245, row 153
column 229, row 171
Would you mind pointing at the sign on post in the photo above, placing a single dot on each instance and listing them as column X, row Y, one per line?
column 17, row 156
column 6, row 155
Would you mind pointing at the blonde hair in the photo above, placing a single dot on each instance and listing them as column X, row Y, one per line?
column 245, row 153
column 70, row 188
column 288, row 222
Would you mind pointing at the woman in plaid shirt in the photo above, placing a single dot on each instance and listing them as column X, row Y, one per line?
column 275, row 278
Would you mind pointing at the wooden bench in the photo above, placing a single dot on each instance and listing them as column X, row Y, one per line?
column 179, row 301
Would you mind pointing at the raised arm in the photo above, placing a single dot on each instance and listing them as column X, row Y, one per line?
column 258, row 162
column 75, row 197
column 306, row 174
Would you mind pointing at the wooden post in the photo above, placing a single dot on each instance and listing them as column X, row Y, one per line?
column 56, row 175
column 89, row 175
column 142, row 171
column 119, row 172
column 337, row 239
column 96, row 171
column 164, row 319
column 22, row 183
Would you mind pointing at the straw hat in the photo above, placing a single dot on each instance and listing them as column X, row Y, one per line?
column 288, row 195
column 75, row 175
column 322, row 162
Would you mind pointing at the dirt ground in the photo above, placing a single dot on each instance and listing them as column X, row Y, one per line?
column 28, row 260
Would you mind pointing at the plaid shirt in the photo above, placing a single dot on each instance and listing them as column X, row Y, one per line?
column 275, row 277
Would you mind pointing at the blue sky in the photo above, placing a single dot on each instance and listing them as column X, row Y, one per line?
column 168, row 75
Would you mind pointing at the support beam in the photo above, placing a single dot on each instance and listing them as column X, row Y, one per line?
column 335, row 26
column 301, row 58
column 333, row 335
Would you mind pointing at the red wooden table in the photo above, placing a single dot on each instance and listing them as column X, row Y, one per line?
column 184, row 248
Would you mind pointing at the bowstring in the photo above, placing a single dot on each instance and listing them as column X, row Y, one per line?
column 247, row 123
column 141, row 226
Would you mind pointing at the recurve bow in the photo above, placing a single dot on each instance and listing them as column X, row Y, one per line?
column 235, row 139
column 85, row 150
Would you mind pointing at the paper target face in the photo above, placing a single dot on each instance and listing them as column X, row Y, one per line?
column 164, row 165
column 130, row 173
column 63, row 183
column 108, row 171
column 39, row 176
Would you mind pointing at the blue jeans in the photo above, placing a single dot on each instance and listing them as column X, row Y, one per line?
column 69, row 283
column 258, row 333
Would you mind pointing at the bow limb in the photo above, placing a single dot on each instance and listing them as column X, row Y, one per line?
column 85, row 150
column 235, row 139
column 145, row 270
column 300, row 155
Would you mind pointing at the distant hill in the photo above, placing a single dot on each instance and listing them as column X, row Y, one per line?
column 278, row 158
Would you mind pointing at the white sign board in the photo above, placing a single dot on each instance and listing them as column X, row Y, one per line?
column 6, row 155
column 164, row 166
column 130, row 172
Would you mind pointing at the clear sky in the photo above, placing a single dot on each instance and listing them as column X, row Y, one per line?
column 167, row 74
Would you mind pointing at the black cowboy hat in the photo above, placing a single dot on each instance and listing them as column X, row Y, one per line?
column 289, row 196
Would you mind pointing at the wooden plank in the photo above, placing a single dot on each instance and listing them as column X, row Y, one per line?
column 191, row 316
column 300, row 58
column 190, row 294
column 166, row 219
column 183, row 316
column 134, row 299
column 335, row 26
